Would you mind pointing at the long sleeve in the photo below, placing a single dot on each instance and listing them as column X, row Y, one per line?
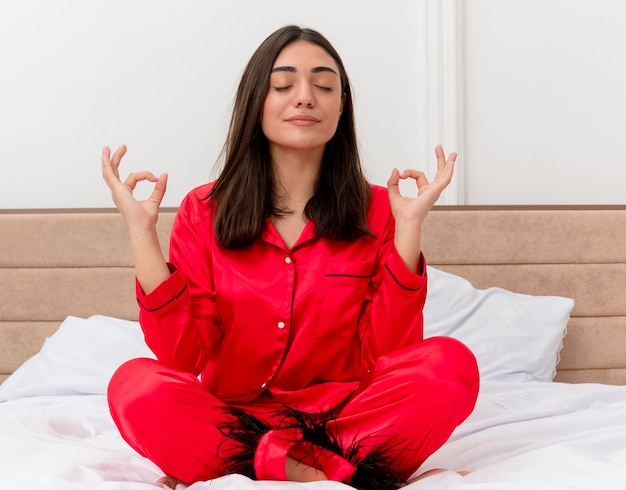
column 179, row 317
column 392, row 316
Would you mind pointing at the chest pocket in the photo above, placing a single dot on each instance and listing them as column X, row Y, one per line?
column 355, row 270
column 345, row 289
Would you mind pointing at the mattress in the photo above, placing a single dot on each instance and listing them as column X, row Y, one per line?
column 57, row 431
column 522, row 435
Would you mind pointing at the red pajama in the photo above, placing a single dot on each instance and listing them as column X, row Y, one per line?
column 415, row 399
column 325, row 325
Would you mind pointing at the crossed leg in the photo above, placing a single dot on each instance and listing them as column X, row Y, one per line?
column 406, row 411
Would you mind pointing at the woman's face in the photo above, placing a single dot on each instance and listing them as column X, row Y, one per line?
column 304, row 100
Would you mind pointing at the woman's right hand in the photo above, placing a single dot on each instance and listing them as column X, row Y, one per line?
column 140, row 216
column 137, row 214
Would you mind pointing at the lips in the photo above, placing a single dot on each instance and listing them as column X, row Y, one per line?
column 303, row 120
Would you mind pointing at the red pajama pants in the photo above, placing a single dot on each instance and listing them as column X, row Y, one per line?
column 410, row 406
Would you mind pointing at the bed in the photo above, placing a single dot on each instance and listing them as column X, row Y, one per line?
column 536, row 292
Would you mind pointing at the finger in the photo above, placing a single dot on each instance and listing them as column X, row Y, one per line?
column 452, row 158
column 442, row 162
column 449, row 168
column 441, row 156
column 134, row 178
column 106, row 153
column 417, row 175
column 393, row 187
column 159, row 189
column 105, row 158
column 445, row 167
column 109, row 174
column 117, row 156
column 110, row 165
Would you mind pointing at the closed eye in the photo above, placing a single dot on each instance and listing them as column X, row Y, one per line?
column 325, row 89
column 283, row 89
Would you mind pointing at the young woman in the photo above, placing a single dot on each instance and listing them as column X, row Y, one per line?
column 288, row 321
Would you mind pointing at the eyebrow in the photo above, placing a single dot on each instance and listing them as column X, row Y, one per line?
column 292, row 69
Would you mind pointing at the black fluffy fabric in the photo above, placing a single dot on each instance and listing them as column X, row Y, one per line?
column 246, row 430
column 373, row 471
column 316, row 431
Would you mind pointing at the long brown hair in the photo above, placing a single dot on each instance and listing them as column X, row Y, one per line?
column 244, row 191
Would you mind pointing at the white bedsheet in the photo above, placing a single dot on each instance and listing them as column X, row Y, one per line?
column 526, row 435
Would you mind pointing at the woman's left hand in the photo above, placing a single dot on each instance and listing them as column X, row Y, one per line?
column 409, row 212
column 413, row 210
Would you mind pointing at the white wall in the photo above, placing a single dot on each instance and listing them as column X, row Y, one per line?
column 159, row 75
column 545, row 101
column 540, row 119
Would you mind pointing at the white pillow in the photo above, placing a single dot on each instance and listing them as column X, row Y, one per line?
column 514, row 336
column 79, row 358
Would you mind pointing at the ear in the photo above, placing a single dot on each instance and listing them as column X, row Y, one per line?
column 343, row 101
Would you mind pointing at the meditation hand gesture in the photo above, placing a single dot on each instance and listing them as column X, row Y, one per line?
column 137, row 214
column 414, row 210
column 409, row 212
column 140, row 216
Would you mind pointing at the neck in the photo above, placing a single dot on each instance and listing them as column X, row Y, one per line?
column 296, row 173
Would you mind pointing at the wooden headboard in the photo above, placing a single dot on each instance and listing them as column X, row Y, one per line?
column 56, row 263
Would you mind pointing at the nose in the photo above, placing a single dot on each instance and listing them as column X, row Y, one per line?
column 304, row 96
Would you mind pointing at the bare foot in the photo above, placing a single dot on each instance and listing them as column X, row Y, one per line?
column 434, row 472
column 300, row 472
column 169, row 481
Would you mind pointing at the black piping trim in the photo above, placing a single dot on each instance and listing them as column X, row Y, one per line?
column 164, row 304
column 348, row 275
column 398, row 282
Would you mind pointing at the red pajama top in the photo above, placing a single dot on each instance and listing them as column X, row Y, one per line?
column 306, row 323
